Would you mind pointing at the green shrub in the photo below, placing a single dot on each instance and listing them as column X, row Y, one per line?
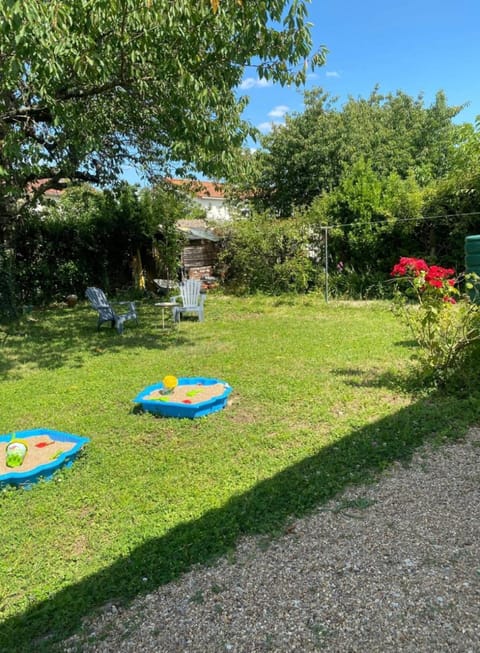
column 444, row 322
column 264, row 254
column 353, row 284
column 8, row 304
column 91, row 238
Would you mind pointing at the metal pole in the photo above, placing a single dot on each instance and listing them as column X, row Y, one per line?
column 326, row 264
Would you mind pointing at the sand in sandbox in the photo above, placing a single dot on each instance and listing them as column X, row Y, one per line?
column 193, row 393
column 35, row 456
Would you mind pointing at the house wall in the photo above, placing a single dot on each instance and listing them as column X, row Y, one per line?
column 215, row 208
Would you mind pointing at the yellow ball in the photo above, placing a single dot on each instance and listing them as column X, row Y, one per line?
column 170, row 382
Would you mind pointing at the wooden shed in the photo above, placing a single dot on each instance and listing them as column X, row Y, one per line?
column 199, row 256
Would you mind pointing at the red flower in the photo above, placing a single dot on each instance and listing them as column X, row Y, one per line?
column 433, row 276
column 450, row 300
column 437, row 272
column 398, row 270
column 408, row 265
column 417, row 264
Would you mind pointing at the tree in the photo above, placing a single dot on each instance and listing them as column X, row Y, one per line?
column 299, row 160
column 92, row 237
column 87, row 85
column 163, row 206
column 265, row 255
column 394, row 133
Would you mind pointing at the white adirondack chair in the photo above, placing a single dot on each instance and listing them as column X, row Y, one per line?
column 106, row 312
column 191, row 299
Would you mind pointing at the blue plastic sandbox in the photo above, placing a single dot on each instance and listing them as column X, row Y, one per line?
column 46, row 471
column 174, row 409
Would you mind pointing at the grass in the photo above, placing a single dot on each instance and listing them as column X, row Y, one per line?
column 319, row 402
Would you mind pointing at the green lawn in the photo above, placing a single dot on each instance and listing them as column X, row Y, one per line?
column 317, row 403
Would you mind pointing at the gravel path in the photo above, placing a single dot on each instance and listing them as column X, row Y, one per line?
column 389, row 567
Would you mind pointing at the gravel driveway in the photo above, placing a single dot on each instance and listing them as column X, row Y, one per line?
column 388, row 567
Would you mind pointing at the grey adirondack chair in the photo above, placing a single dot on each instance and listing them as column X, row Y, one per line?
column 192, row 300
column 106, row 312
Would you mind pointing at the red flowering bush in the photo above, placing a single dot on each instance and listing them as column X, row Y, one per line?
column 423, row 278
column 444, row 322
column 409, row 266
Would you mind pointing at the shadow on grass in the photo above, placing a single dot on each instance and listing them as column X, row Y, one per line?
column 265, row 510
column 53, row 338
column 359, row 378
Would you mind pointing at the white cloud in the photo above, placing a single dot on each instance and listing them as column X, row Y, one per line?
column 254, row 82
column 332, row 73
column 279, row 111
column 265, row 126
column 268, row 126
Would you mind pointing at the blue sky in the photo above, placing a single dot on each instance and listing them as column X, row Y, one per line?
column 417, row 46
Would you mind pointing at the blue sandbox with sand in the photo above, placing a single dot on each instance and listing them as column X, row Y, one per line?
column 47, row 452
column 191, row 397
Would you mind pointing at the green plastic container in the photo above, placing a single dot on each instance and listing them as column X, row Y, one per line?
column 472, row 264
column 15, row 453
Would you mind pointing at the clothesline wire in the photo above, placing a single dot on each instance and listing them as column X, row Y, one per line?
column 420, row 218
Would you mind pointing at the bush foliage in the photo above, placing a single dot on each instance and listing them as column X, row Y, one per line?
column 87, row 238
column 263, row 254
column 444, row 322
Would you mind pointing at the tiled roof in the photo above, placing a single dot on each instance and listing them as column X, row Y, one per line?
column 201, row 189
column 211, row 189
column 50, row 192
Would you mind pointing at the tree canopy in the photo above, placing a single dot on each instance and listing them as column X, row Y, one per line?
column 88, row 85
column 395, row 133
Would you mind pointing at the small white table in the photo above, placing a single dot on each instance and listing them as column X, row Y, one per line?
column 163, row 306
